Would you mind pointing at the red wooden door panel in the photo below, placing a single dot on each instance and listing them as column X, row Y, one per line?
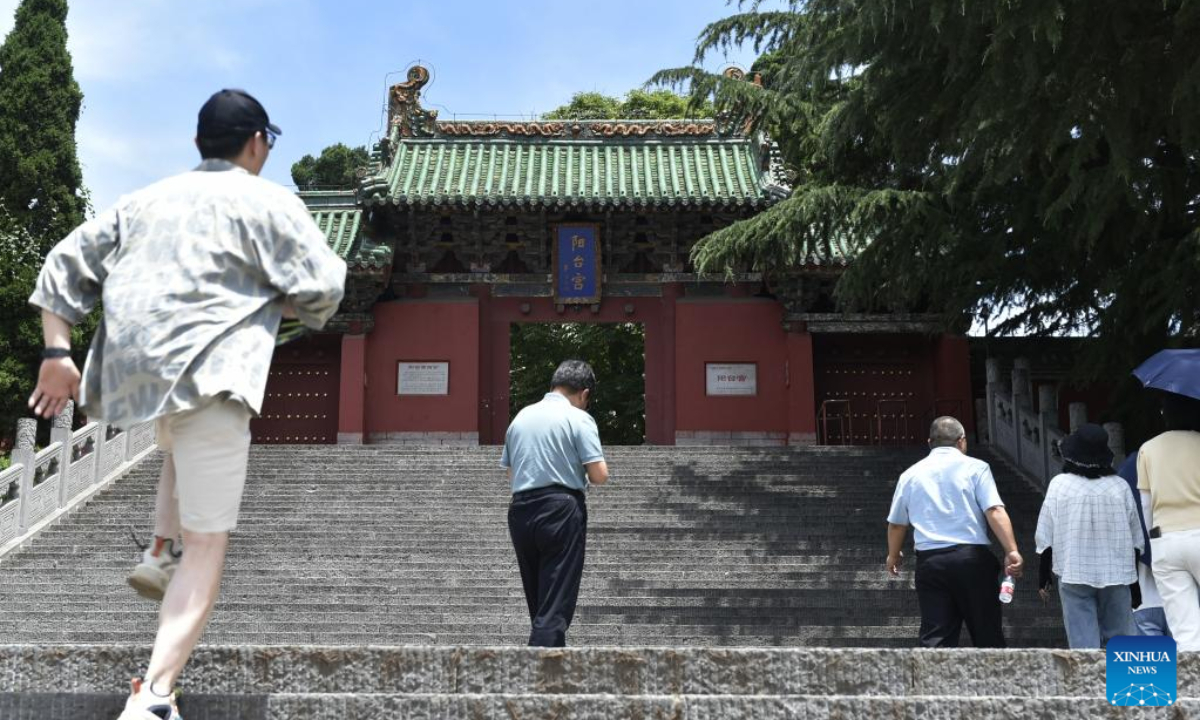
column 301, row 403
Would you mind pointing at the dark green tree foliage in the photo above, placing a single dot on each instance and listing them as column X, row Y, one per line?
column 40, row 178
column 1031, row 159
column 615, row 351
column 335, row 168
column 41, row 194
column 637, row 105
column 20, row 326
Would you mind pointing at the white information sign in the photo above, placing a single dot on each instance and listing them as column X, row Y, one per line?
column 423, row 378
column 731, row 378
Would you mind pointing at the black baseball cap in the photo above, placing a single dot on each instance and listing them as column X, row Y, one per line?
column 233, row 112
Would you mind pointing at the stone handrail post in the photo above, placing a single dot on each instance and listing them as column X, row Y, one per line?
column 1116, row 441
column 984, row 428
column 1078, row 413
column 60, row 432
column 101, row 451
column 1022, row 391
column 1048, row 404
column 23, row 453
column 1048, row 420
column 994, row 389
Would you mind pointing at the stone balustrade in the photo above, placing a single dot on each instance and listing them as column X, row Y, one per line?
column 40, row 483
column 1030, row 439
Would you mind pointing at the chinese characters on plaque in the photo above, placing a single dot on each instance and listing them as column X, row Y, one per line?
column 731, row 379
column 577, row 274
column 423, row 378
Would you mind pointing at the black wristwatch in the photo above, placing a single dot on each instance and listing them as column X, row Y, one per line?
column 51, row 353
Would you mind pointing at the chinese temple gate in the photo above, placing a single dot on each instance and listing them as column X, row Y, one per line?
column 461, row 229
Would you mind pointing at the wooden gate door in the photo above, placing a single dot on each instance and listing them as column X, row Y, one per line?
column 301, row 404
column 872, row 389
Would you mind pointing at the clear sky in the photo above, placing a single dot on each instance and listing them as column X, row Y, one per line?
column 321, row 67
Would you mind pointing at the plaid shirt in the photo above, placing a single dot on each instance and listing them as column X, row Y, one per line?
column 1093, row 526
column 193, row 272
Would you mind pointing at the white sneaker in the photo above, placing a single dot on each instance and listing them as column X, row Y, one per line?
column 148, row 706
column 154, row 572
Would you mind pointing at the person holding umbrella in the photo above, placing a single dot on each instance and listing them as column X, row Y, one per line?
column 1168, row 470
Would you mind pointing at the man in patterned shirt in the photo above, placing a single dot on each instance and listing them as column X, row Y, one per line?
column 195, row 273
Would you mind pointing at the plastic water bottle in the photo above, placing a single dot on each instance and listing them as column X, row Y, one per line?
column 1006, row 589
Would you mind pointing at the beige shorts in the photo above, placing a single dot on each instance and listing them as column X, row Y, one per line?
column 209, row 447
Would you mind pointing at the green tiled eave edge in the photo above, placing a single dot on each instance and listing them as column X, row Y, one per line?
column 620, row 172
column 338, row 216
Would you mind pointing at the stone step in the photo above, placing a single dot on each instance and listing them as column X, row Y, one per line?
column 571, row 671
column 577, row 707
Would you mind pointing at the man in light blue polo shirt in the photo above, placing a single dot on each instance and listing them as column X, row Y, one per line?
column 950, row 499
column 552, row 451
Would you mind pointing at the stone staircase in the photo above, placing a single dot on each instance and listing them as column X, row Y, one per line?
column 381, row 545
column 428, row 683
column 378, row 582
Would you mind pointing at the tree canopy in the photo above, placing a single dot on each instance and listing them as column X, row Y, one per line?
column 616, row 351
column 41, row 183
column 637, row 105
column 335, row 168
column 41, row 192
column 1033, row 162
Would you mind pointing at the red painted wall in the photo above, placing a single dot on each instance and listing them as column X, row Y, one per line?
column 352, row 395
column 420, row 330
column 952, row 379
column 802, row 401
column 730, row 331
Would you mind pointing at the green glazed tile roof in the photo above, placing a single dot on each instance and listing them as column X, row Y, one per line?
column 621, row 172
column 340, row 218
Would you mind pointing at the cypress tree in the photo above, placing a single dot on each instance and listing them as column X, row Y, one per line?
column 41, row 193
column 41, row 184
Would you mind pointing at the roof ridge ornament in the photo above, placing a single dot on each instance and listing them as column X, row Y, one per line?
column 577, row 129
column 735, row 120
column 404, row 106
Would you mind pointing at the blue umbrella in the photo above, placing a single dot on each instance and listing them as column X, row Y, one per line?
column 1176, row 371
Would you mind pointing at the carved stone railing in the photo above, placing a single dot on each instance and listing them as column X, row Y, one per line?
column 1031, row 445
column 1030, row 439
column 81, row 466
column 1004, row 428
column 113, row 442
column 1054, row 463
column 10, row 502
column 39, row 484
column 44, row 485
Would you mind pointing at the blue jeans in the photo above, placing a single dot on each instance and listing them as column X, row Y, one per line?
column 1095, row 615
column 1152, row 622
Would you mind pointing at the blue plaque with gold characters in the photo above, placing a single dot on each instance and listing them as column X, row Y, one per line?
column 577, row 270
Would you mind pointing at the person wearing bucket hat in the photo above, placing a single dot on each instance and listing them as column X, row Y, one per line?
column 1168, row 474
column 1090, row 530
column 195, row 272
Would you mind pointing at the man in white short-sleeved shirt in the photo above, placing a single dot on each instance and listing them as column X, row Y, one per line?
column 950, row 499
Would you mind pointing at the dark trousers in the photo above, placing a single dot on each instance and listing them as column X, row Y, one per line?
column 957, row 585
column 548, row 527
